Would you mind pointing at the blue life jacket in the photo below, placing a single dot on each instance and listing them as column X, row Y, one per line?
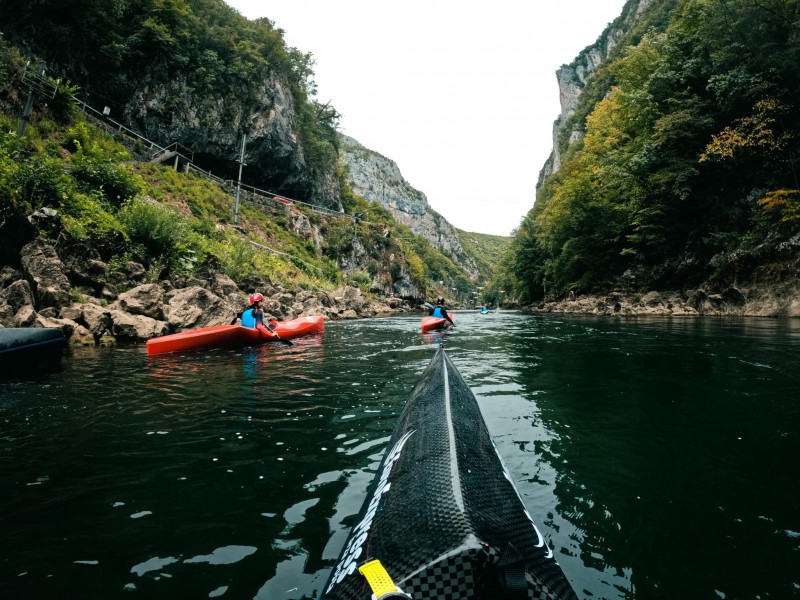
column 248, row 319
column 437, row 312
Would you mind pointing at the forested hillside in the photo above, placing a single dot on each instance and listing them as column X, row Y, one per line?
column 197, row 75
column 487, row 250
column 686, row 167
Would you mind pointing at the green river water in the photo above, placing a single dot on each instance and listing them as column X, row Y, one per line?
column 658, row 456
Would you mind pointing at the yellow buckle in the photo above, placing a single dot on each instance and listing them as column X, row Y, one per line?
column 380, row 581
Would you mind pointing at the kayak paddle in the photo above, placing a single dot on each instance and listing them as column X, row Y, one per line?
column 283, row 341
column 271, row 329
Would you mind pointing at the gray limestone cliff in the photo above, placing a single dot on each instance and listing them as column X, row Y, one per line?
column 572, row 78
column 211, row 125
column 378, row 179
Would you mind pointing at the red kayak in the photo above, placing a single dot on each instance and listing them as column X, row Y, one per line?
column 434, row 323
column 233, row 335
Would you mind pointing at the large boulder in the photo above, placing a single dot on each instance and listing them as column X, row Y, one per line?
column 126, row 274
column 285, row 299
column 226, row 288
column 350, row 298
column 96, row 319
column 223, row 286
column 194, row 307
column 9, row 275
column 17, row 295
column 75, row 333
column 135, row 328
column 46, row 274
column 147, row 300
column 274, row 309
column 84, row 265
column 25, row 317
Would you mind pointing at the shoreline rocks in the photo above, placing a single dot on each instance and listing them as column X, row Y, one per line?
column 43, row 295
column 780, row 300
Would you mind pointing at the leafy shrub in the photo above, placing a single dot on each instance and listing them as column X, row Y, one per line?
column 85, row 216
column 237, row 259
column 8, row 175
column 362, row 280
column 417, row 271
column 119, row 263
column 84, row 139
column 112, row 179
column 39, row 181
column 63, row 105
column 162, row 232
column 782, row 205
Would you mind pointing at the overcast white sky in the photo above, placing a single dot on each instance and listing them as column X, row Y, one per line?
column 461, row 94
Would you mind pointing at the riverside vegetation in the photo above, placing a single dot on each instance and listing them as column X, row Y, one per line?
column 678, row 168
column 105, row 246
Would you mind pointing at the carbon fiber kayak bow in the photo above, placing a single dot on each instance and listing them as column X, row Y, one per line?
column 442, row 516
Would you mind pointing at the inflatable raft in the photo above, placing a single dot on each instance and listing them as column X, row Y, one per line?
column 233, row 335
column 442, row 519
column 33, row 347
column 434, row 323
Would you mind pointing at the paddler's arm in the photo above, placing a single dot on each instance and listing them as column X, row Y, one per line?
column 267, row 330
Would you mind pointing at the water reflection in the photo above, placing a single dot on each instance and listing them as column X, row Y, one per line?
column 628, row 501
column 238, row 473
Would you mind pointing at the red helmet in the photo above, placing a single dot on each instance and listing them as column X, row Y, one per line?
column 256, row 298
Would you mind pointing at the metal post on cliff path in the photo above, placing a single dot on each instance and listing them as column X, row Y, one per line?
column 245, row 130
column 36, row 82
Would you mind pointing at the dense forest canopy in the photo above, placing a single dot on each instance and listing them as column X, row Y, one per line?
column 687, row 168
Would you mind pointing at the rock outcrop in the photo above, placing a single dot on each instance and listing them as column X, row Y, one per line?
column 378, row 179
column 572, row 79
column 46, row 274
column 42, row 295
column 212, row 126
column 757, row 301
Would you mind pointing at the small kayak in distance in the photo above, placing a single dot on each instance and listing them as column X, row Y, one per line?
column 442, row 518
column 434, row 323
column 30, row 347
column 233, row 335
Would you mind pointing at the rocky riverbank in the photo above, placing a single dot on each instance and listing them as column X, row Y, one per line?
column 70, row 287
column 778, row 300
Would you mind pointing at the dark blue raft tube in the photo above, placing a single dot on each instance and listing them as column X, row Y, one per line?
column 442, row 519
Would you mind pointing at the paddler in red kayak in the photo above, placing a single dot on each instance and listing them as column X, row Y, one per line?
column 254, row 315
column 440, row 311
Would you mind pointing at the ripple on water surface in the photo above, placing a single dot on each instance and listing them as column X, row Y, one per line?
column 238, row 473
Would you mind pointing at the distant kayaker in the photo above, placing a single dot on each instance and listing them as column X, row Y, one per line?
column 440, row 312
column 253, row 316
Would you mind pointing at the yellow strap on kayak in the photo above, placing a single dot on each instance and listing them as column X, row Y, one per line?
column 378, row 579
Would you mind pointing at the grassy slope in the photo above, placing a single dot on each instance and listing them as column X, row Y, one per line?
column 175, row 223
column 487, row 249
